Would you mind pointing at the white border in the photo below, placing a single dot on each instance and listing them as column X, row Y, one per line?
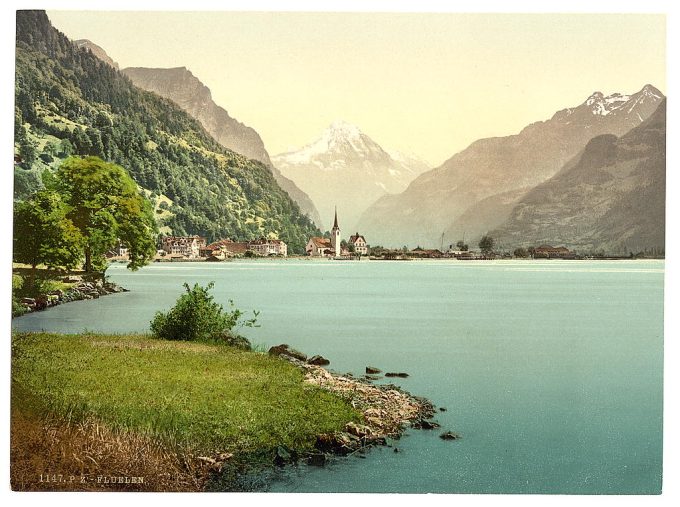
column 671, row 420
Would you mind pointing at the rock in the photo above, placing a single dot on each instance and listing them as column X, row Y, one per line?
column 371, row 377
column 317, row 459
column 28, row 301
column 285, row 350
column 449, row 435
column 240, row 342
column 428, row 425
column 442, row 409
column 396, row 449
column 400, row 375
column 372, row 370
column 282, row 455
column 318, row 361
column 359, row 430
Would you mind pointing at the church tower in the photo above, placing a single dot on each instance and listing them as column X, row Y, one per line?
column 335, row 235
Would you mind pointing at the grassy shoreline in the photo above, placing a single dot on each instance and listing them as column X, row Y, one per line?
column 188, row 408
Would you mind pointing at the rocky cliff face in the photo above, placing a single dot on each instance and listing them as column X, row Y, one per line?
column 186, row 90
column 610, row 197
column 438, row 201
column 346, row 168
column 96, row 51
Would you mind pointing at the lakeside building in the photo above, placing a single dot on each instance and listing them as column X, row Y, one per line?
column 319, row 247
column 426, row 253
column 266, row 247
column 184, row 246
column 332, row 247
column 227, row 248
column 359, row 244
column 120, row 252
column 550, row 252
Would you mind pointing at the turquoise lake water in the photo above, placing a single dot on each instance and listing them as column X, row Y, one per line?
column 550, row 370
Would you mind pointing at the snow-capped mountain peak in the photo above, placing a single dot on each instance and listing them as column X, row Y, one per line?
column 343, row 129
column 345, row 167
column 601, row 105
column 340, row 137
column 597, row 106
column 650, row 91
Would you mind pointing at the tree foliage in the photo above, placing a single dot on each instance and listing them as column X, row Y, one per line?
column 486, row 244
column 197, row 317
column 520, row 252
column 106, row 207
column 44, row 234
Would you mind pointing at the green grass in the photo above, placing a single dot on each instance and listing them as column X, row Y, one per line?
column 210, row 398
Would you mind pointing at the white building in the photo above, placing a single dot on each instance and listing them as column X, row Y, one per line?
column 359, row 244
column 186, row 246
column 266, row 247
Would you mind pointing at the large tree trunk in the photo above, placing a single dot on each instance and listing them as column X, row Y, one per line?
column 88, row 259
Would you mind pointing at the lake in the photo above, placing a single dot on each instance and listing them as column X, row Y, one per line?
column 551, row 371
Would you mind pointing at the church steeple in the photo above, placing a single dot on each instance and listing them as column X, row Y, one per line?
column 335, row 235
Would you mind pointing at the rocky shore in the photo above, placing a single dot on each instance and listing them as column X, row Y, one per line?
column 388, row 410
column 80, row 291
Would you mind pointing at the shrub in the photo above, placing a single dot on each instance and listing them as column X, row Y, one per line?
column 196, row 317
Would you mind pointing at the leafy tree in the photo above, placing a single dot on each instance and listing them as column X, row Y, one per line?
column 197, row 317
column 27, row 151
column 462, row 246
column 43, row 233
column 520, row 252
column 66, row 148
column 486, row 244
column 107, row 207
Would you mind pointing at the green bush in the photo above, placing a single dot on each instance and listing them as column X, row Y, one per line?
column 196, row 317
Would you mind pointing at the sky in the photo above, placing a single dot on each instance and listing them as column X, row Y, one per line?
column 423, row 83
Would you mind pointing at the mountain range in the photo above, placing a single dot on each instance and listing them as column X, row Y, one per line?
column 475, row 190
column 346, row 168
column 591, row 177
column 189, row 93
column 610, row 197
column 71, row 102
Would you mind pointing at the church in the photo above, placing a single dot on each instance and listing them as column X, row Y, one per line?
column 325, row 247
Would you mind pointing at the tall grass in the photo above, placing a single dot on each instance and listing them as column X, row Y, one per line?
column 206, row 397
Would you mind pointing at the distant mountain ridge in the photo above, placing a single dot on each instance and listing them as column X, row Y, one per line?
column 187, row 91
column 610, row 197
column 445, row 199
column 345, row 167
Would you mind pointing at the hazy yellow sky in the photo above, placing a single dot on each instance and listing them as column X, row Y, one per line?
column 427, row 84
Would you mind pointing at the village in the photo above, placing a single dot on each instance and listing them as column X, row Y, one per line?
column 330, row 246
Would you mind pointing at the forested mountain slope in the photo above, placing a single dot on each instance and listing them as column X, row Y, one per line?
column 70, row 102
